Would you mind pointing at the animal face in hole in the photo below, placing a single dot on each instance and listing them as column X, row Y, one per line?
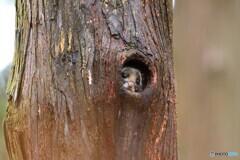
column 131, row 79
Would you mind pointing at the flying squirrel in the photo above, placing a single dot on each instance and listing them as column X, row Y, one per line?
column 132, row 79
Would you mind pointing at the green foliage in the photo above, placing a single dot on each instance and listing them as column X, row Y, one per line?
column 3, row 97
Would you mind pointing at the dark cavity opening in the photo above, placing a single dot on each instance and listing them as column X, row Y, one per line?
column 142, row 67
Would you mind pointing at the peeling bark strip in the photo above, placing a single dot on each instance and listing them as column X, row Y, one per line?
column 66, row 99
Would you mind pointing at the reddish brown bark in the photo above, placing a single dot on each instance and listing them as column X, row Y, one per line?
column 65, row 94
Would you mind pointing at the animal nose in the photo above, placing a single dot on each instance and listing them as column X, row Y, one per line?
column 130, row 84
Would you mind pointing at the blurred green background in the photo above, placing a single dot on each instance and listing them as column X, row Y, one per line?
column 207, row 64
column 3, row 99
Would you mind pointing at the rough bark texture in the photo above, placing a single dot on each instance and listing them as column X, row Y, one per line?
column 65, row 95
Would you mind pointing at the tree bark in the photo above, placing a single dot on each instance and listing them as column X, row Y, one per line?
column 65, row 94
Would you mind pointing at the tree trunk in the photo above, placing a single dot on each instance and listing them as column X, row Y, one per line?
column 66, row 98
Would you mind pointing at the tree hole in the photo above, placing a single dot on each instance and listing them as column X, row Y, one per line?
column 135, row 75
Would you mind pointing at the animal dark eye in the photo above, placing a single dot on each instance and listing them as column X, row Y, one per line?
column 138, row 81
column 124, row 75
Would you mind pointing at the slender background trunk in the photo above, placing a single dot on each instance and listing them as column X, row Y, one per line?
column 65, row 95
column 207, row 56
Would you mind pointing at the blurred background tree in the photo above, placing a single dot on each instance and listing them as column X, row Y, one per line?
column 207, row 54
